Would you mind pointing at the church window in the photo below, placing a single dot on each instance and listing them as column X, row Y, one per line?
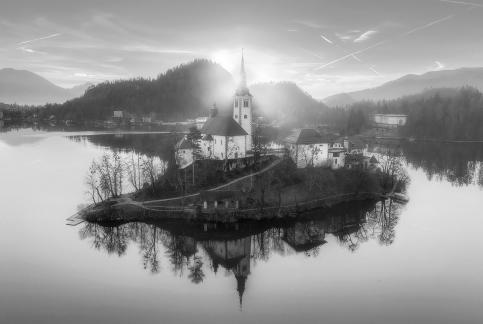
column 236, row 103
column 245, row 116
column 245, row 103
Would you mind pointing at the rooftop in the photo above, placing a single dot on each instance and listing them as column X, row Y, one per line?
column 306, row 136
column 224, row 126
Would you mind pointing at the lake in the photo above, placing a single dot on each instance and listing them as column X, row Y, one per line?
column 357, row 263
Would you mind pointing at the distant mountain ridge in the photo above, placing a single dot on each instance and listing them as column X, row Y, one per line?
column 26, row 88
column 412, row 84
column 187, row 91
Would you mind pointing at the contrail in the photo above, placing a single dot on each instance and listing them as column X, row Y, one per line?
column 37, row 39
column 427, row 25
column 385, row 41
column 464, row 3
column 326, row 39
column 351, row 55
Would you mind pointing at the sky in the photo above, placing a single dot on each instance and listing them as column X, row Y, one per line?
column 326, row 47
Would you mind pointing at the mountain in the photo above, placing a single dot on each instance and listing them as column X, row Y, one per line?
column 285, row 101
column 412, row 84
column 27, row 88
column 186, row 91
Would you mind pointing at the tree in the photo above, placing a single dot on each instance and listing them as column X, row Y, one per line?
column 194, row 138
column 259, row 145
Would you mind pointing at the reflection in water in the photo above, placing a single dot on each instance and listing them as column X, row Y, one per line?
column 191, row 249
column 150, row 144
column 458, row 163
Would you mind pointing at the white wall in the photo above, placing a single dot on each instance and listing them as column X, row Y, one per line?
column 394, row 120
column 314, row 154
column 221, row 146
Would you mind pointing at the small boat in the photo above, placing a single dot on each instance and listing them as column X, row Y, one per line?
column 400, row 197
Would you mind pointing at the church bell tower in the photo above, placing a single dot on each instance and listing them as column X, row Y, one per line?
column 242, row 105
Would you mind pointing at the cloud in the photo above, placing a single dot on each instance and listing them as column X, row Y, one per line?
column 439, row 65
column 38, row 39
column 350, row 55
column 345, row 36
column 308, row 23
column 84, row 75
column 463, row 3
column 155, row 49
column 365, row 36
column 326, row 39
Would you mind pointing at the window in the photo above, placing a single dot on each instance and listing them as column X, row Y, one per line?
column 336, row 154
column 221, row 155
column 236, row 116
column 245, row 116
column 245, row 103
column 236, row 103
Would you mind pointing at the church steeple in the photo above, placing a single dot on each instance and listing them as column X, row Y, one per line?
column 242, row 86
column 243, row 75
column 242, row 105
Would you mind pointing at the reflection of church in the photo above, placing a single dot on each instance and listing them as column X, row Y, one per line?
column 232, row 255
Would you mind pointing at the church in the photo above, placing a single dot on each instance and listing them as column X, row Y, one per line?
column 230, row 137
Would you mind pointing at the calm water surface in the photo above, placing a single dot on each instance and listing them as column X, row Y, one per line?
column 361, row 263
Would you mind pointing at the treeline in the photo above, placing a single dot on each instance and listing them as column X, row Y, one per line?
column 451, row 114
column 183, row 92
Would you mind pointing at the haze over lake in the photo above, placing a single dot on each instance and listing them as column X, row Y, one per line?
column 360, row 262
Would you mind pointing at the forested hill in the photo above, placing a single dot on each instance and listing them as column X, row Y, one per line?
column 286, row 103
column 187, row 91
column 183, row 92
column 453, row 114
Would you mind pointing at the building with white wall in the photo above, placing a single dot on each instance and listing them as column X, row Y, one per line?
column 390, row 120
column 307, row 147
column 223, row 138
column 230, row 137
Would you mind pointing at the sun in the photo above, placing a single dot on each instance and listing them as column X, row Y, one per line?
column 228, row 59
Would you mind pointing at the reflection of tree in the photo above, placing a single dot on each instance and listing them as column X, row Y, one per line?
column 196, row 272
column 458, row 163
column 378, row 222
column 187, row 248
column 149, row 144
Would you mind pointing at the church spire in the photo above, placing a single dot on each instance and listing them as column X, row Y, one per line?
column 243, row 75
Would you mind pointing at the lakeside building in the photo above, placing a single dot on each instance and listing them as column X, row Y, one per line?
column 389, row 120
column 307, row 147
column 200, row 122
column 118, row 114
column 223, row 138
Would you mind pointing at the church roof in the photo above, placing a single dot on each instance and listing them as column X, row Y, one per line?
column 223, row 126
column 305, row 136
